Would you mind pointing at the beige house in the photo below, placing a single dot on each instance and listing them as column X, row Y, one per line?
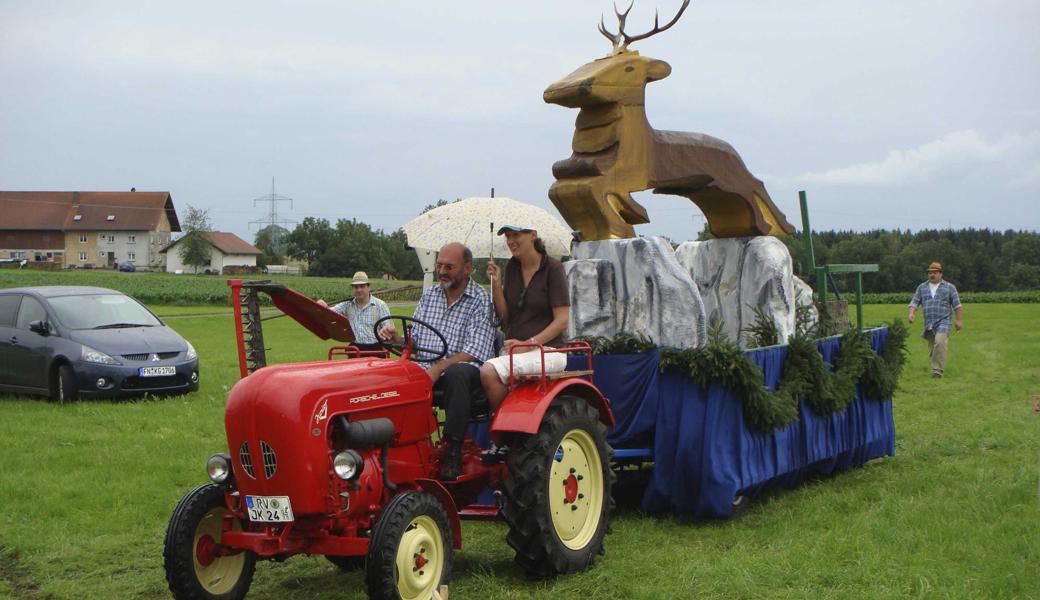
column 226, row 250
column 87, row 229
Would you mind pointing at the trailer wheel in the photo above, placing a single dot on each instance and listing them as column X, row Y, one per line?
column 410, row 553
column 194, row 568
column 557, row 496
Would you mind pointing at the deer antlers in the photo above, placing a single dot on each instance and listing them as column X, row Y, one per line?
column 621, row 40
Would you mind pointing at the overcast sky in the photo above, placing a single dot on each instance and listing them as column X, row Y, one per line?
column 890, row 114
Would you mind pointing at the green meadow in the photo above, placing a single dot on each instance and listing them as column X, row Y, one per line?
column 86, row 490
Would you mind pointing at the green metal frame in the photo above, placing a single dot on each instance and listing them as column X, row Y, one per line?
column 821, row 271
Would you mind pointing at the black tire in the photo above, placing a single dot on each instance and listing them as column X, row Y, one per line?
column 347, row 563
column 557, row 498
column 63, row 384
column 197, row 516
column 411, row 523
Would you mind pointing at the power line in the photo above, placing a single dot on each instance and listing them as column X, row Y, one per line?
column 272, row 220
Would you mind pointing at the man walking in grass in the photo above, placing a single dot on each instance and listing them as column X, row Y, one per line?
column 940, row 300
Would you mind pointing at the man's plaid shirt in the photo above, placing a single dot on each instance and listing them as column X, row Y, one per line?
column 937, row 310
column 466, row 325
column 362, row 320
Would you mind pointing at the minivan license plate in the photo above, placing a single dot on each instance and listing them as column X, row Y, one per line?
column 157, row 371
column 269, row 509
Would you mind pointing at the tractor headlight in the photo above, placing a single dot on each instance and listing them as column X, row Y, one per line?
column 348, row 465
column 219, row 467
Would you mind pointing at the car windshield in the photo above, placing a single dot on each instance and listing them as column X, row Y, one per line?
column 102, row 311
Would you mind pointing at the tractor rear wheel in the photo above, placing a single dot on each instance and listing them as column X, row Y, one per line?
column 557, row 496
column 195, row 567
column 410, row 553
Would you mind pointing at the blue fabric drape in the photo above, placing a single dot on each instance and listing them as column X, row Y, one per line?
column 705, row 455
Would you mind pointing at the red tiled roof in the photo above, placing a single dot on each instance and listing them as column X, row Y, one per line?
column 131, row 211
column 226, row 242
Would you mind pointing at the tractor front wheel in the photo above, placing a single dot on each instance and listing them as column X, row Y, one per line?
column 197, row 566
column 557, row 496
column 410, row 553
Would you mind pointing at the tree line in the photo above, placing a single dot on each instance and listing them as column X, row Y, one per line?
column 976, row 260
column 341, row 249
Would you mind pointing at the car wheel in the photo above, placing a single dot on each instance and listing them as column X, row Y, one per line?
column 63, row 384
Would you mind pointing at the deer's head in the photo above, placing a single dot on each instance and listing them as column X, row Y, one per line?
column 620, row 76
column 616, row 78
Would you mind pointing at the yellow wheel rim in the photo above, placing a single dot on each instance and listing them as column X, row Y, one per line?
column 576, row 489
column 216, row 574
column 420, row 559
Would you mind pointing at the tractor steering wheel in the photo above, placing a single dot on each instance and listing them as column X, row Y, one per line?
column 398, row 349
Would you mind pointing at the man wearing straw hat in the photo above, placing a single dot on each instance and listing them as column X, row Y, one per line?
column 363, row 310
column 939, row 299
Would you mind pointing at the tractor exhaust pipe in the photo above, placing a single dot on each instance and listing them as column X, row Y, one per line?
column 368, row 434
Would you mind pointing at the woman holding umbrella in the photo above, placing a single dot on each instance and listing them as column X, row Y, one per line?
column 533, row 305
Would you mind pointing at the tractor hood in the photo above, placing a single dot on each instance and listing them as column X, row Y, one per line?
column 278, row 420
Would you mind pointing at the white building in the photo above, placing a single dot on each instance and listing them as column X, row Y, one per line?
column 226, row 250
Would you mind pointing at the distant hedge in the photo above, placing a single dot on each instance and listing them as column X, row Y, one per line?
column 169, row 289
column 1021, row 297
column 165, row 288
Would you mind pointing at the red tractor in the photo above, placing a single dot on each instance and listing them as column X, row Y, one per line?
column 339, row 458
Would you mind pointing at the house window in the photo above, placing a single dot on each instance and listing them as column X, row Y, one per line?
column 83, row 256
column 131, row 256
column 111, row 239
column 77, row 218
column 19, row 254
column 110, row 218
column 82, row 239
column 131, row 239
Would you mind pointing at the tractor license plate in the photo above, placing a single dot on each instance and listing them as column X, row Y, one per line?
column 269, row 509
column 157, row 371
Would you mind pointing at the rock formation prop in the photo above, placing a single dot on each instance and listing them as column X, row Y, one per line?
column 634, row 286
column 739, row 276
column 641, row 287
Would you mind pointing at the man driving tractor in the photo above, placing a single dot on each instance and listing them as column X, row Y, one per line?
column 462, row 310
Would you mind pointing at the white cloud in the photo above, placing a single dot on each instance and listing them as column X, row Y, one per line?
column 961, row 149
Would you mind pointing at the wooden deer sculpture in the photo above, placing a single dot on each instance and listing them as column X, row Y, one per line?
column 617, row 152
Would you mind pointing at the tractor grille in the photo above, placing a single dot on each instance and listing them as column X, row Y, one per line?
column 146, row 356
column 246, row 460
column 270, row 460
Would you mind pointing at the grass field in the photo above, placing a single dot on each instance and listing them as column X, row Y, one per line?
column 86, row 490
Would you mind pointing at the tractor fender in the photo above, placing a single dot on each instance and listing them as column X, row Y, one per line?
column 436, row 488
column 522, row 410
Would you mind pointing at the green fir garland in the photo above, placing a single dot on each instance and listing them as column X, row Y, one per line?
column 805, row 375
